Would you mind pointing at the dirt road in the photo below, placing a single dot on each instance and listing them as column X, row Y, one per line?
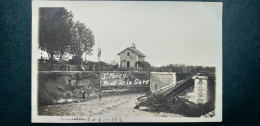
column 119, row 105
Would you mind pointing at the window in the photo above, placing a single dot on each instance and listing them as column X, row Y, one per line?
column 128, row 54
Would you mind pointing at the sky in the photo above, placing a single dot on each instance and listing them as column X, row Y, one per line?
column 166, row 32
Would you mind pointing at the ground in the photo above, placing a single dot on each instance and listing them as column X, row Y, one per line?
column 113, row 106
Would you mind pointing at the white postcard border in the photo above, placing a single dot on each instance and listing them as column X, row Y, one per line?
column 35, row 118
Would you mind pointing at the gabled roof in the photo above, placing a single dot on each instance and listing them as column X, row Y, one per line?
column 134, row 50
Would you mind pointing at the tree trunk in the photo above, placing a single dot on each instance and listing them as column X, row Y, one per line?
column 52, row 57
column 86, row 57
column 61, row 54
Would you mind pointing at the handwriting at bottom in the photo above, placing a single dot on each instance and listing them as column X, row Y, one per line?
column 92, row 119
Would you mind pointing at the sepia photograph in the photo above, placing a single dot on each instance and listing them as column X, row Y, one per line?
column 126, row 61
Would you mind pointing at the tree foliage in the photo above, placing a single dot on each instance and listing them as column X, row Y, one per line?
column 181, row 68
column 55, row 30
column 59, row 35
column 82, row 41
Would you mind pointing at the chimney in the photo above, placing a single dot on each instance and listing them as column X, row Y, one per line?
column 132, row 46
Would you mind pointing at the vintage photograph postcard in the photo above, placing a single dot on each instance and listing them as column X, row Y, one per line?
column 126, row 61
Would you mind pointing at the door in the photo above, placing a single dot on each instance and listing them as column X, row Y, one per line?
column 128, row 64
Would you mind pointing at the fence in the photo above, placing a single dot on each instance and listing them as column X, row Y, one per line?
column 65, row 67
column 69, row 67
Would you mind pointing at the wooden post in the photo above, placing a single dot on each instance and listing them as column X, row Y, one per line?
column 98, row 64
column 99, row 87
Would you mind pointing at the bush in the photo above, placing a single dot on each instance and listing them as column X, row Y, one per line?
column 142, row 64
column 75, row 60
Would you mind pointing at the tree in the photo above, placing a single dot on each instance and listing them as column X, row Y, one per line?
column 55, row 31
column 90, row 42
column 82, row 41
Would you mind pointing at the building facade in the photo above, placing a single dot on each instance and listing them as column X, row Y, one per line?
column 130, row 56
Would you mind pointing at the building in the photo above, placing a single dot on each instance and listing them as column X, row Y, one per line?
column 130, row 56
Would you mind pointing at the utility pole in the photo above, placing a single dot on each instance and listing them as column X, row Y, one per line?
column 99, row 53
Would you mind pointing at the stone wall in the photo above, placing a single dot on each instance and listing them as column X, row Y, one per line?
column 161, row 79
column 116, row 80
column 54, row 86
